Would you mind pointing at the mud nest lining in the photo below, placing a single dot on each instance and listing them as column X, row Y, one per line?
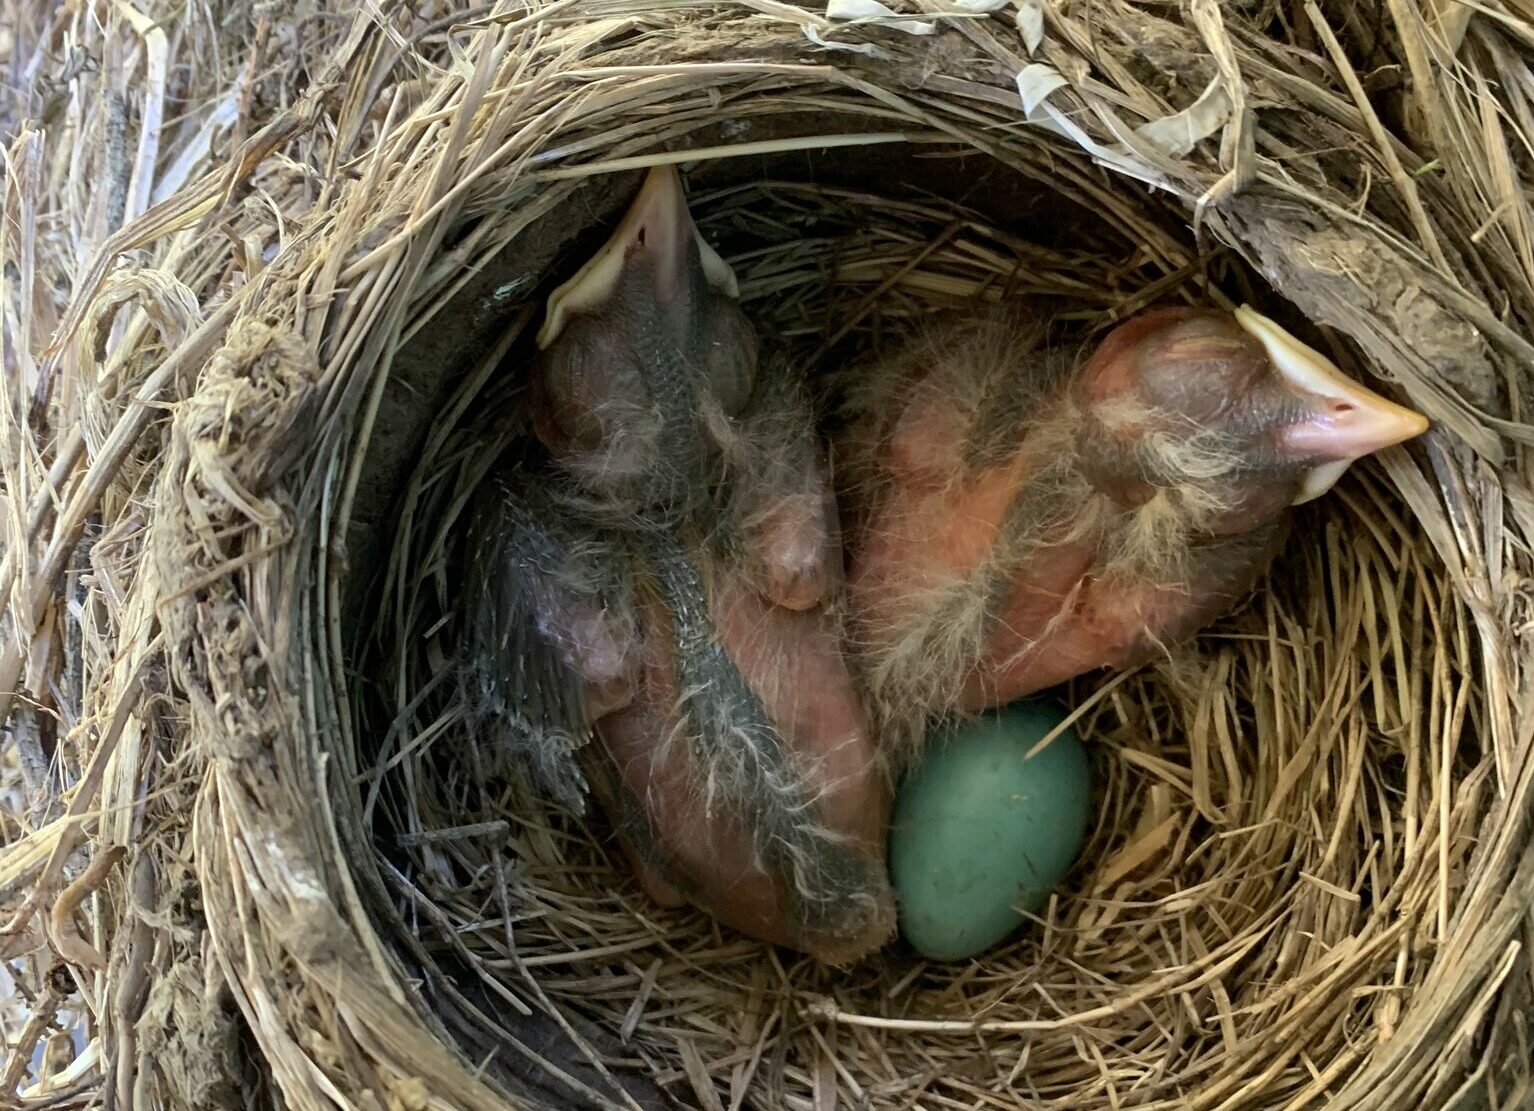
column 238, row 446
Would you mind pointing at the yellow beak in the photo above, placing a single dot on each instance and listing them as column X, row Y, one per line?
column 1346, row 421
column 658, row 230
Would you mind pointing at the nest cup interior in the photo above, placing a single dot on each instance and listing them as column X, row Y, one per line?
column 1282, row 806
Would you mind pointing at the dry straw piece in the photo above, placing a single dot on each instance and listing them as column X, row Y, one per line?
column 270, row 276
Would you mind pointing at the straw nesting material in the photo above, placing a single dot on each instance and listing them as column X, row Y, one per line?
column 270, row 277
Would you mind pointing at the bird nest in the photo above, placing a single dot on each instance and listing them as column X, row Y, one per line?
column 271, row 280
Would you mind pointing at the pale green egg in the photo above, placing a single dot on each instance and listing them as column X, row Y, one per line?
column 981, row 832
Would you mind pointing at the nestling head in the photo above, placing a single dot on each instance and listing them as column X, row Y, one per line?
column 642, row 346
column 1229, row 410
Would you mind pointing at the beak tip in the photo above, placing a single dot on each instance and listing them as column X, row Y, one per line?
column 661, row 195
column 1372, row 423
column 1340, row 447
column 1408, row 425
column 657, row 221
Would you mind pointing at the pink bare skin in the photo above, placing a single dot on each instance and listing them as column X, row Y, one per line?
column 734, row 753
column 1022, row 520
column 793, row 662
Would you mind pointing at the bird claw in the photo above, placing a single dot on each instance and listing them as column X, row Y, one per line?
column 558, row 771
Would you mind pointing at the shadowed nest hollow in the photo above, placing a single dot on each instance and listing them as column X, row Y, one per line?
column 271, row 278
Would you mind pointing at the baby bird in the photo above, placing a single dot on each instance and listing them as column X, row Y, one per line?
column 665, row 585
column 1021, row 516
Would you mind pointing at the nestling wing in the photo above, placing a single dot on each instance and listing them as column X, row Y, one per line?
column 550, row 636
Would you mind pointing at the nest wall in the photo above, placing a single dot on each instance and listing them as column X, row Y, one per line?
column 270, row 280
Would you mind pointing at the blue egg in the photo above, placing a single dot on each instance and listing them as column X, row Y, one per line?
column 981, row 833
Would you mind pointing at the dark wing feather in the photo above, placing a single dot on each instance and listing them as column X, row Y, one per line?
column 529, row 571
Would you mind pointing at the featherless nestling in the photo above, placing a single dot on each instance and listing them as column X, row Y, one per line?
column 664, row 582
column 1019, row 514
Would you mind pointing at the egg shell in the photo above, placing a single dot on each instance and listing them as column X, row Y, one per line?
column 981, row 832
